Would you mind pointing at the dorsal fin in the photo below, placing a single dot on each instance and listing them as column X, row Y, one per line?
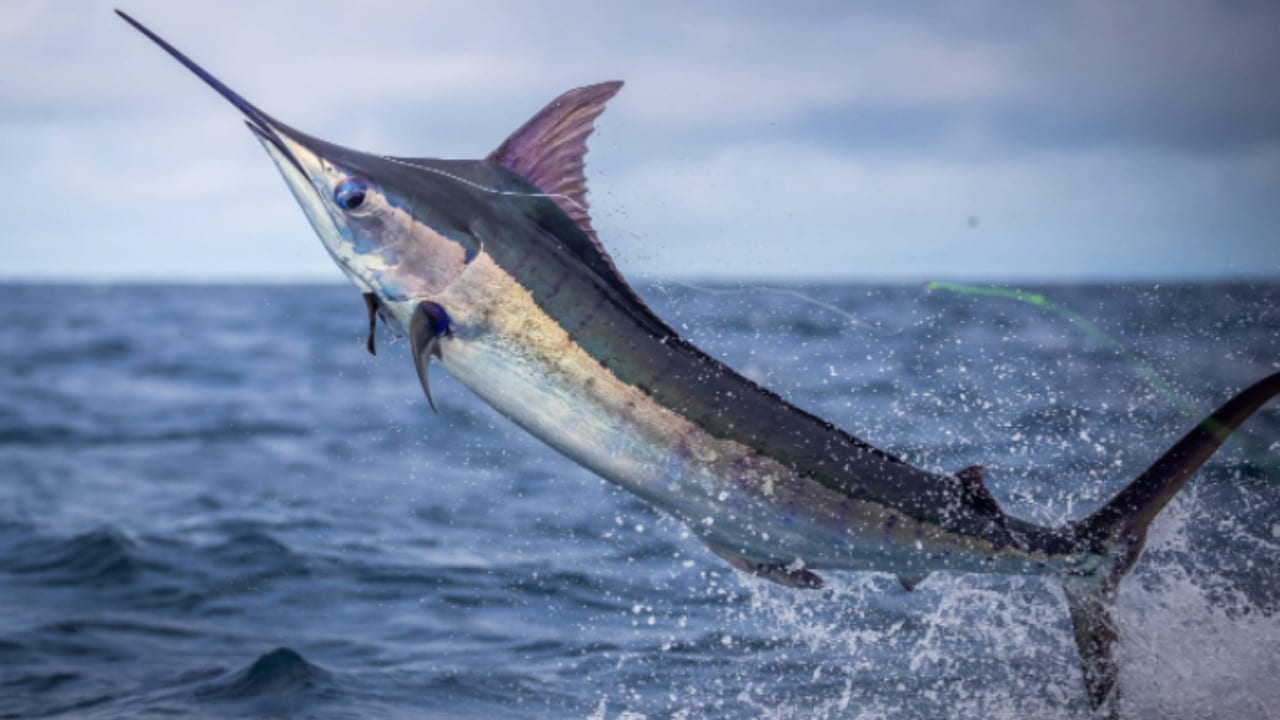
column 550, row 149
column 971, row 475
column 974, row 491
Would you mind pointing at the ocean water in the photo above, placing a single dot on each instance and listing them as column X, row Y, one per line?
column 214, row 503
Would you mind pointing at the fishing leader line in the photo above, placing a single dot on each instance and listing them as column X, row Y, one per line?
column 1088, row 327
column 853, row 320
column 790, row 292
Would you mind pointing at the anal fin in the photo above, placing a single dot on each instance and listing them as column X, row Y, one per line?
column 793, row 575
column 911, row 580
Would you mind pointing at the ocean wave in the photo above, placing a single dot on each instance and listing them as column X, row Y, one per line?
column 263, row 482
column 282, row 671
column 98, row 557
column 62, row 435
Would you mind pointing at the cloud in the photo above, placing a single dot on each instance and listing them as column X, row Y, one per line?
column 1088, row 136
column 805, row 211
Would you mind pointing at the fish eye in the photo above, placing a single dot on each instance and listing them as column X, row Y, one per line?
column 350, row 193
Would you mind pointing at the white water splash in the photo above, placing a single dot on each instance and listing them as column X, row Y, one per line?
column 963, row 646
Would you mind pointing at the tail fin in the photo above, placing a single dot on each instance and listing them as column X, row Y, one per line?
column 1118, row 531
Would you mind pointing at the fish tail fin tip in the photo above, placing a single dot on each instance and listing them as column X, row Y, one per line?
column 1090, row 601
column 1118, row 532
column 1119, row 527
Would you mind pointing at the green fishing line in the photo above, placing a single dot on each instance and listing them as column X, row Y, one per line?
column 1096, row 333
column 1086, row 325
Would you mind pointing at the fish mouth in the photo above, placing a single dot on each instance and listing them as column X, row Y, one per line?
column 262, row 124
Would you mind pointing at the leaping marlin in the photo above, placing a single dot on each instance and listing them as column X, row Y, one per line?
column 493, row 269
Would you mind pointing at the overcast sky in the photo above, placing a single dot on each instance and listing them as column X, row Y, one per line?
column 872, row 141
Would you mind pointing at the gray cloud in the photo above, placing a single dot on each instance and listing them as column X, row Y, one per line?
column 1092, row 138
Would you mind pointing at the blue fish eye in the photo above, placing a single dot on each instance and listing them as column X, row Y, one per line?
column 350, row 193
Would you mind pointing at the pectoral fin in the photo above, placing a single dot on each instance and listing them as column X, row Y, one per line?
column 792, row 575
column 430, row 324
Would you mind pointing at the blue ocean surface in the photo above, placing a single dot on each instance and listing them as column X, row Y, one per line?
column 214, row 503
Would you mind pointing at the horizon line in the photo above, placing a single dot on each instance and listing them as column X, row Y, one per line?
column 644, row 280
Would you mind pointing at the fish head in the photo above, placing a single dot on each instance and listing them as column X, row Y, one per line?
column 383, row 220
column 379, row 218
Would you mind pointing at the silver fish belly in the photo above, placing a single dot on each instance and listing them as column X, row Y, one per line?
column 508, row 351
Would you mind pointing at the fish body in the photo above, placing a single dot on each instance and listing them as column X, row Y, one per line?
column 659, row 418
column 494, row 271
